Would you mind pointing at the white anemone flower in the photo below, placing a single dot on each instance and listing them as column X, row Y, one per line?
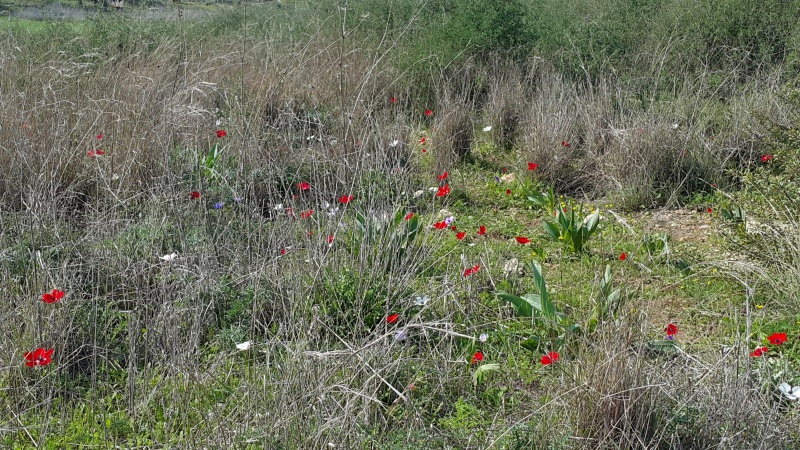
column 487, row 129
column 792, row 392
column 244, row 345
column 483, row 337
column 421, row 300
column 169, row 257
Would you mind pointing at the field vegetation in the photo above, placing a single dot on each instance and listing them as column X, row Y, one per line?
column 401, row 224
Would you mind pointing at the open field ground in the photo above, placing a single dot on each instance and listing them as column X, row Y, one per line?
column 400, row 225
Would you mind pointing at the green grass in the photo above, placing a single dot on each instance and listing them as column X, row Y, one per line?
column 145, row 349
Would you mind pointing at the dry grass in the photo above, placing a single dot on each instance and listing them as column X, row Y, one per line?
column 146, row 347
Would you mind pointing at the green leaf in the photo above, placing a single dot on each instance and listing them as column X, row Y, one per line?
column 548, row 308
column 592, row 221
column 523, row 307
column 482, row 371
column 532, row 344
column 551, row 230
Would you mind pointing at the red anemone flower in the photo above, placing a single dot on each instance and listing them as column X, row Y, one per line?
column 623, row 256
column 392, row 99
column 443, row 191
column 422, row 140
column 477, row 357
column 440, row 225
column 283, row 251
column 345, row 199
column 306, row 214
column 409, row 216
column 564, row 144
column 93, row 153
column 330, row 239
column 777, row 338
column 759, row 351
column 424, row 150
column 428, row 112
column 303, row 186
column 471, row 270
column 39, row 357
column 221, row 133
column 508, row 191
column 100, row 136
column 454, row 228
column 392, row 318
column 194, row 195
column 532, row 166
column 671, row 329
column 442, row 176
column 53, row 296
column 709, row 210
column 549, row 358
column 481, row 230
column 461, row 235
column 522, row 240
column 766, row 158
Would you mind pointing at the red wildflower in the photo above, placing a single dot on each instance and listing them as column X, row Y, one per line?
column 392, row 99
column 481, row 230
column 303, row 186
column 549, row 358
column 454, row 228
column 283, row 251
column 777, row 338
column 564, row 144
column 443, row 191
column 93, row 153
column 409, row 216
column 100, row 136
column 428, row 112
column 522, row 240
column 471, row 270
column 345, row 199
column 38, row 357
column 306, row 214
column 424, row 150
column 671, row 329
column 221, row 133
column 759, row 351
column 392, row 318
column 477, row 357
column 508, row 191
column 52, row 297
column 623, row 256
column 442, row 176
column 330, row 239
column 461, row 235
column 532, row 166
column 440, row 225
column 766, row 158
column 422, row 140
column 194, row 194
column 709, row 210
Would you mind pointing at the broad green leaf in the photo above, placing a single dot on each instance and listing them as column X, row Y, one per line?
column 482, row 370
column 523, row 307
column 548, row 308
column 532, row 344
column 551, row 230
